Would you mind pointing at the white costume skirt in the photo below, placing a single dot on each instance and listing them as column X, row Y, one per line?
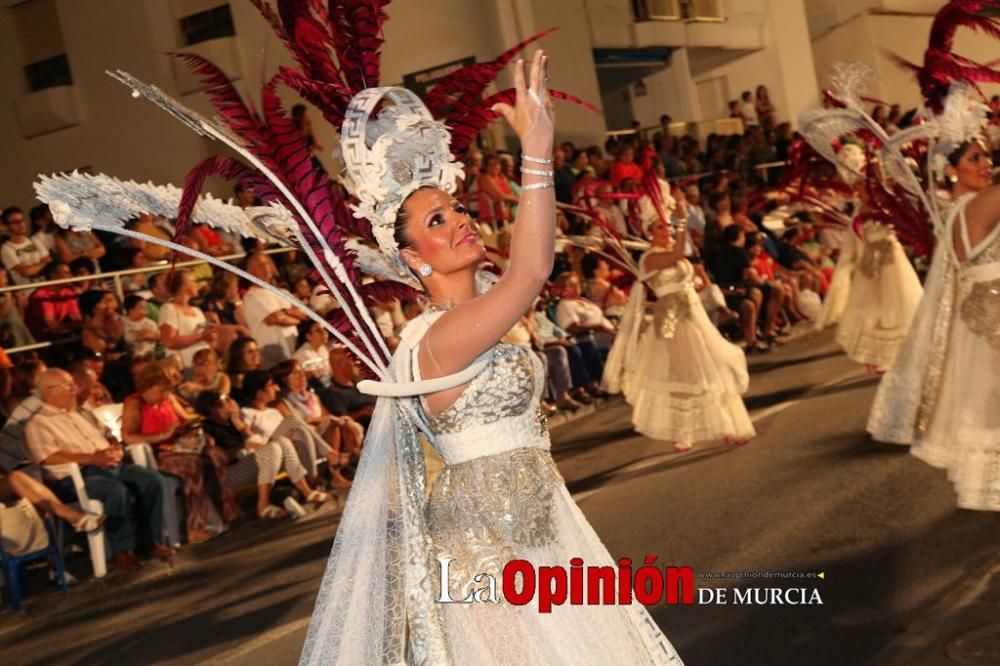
column 514, row 505
column 964, row 431
column 688, row 387
column 880, row 308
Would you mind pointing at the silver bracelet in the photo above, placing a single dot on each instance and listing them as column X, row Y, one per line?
column 538, row 186
column 538, row 172
column 536, row 160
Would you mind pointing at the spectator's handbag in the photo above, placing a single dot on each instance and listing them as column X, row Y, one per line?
column 22, row 530
column 190, row 438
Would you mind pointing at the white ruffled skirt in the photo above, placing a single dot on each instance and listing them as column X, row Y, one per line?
column 688, row 387
column 879, row 309
column 964, row 432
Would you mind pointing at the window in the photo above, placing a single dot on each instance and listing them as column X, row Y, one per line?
column 48, row 73
column 43, row 55
column 209, row 24
column 702, row 10
column 656, row 10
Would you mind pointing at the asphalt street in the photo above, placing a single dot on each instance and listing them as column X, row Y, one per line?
column 812, row 493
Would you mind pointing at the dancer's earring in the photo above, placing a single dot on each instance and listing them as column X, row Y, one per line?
column 953, row 178
column 425, row 270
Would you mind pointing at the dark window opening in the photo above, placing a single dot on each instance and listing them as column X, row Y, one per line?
column 210, row 24
column 48, row 73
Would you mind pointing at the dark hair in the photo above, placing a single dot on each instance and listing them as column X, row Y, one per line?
column 234, row 365
column 304, row 327
column 177, row 280
column 732, row 233
column 281, row 372
column 50, row 270
column 89, row 300
column 589, row 265
column 133, row 300
column 402, row 216
column 38, row 212
column 746, row 94
column 81, row 263
column 7, row 212
column 206, row 402
column 254, row 381
column 129, row 255
column 754, row 238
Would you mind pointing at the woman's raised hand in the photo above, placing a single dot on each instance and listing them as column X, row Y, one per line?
column 532, row 115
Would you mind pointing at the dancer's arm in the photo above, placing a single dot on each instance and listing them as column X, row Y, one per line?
column 472, row 327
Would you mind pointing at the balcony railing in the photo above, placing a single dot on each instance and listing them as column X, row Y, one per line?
column 678, row 10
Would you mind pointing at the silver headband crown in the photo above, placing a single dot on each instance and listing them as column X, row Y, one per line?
column 390, row 156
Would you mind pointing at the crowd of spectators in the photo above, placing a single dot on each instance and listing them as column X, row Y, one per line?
column 234, row 391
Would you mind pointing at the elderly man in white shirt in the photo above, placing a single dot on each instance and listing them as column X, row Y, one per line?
column 59, row 434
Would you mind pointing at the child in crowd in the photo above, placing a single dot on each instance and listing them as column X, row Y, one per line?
column 141, row 332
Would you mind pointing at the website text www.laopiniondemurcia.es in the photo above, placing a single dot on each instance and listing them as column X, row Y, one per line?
column 521, row 582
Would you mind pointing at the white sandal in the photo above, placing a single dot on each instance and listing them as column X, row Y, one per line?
column 318, row 497
column 271, row 511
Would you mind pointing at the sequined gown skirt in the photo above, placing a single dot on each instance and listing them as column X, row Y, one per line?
column 688, row 381
column 884, row 295
column 515, row 505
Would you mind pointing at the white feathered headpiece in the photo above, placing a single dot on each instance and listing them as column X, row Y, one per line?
column 390, row 156
column 963, row 118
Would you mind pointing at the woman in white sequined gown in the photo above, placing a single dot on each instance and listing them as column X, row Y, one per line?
column 885, row 293
column 499, row 496
column 942, row 395
column 685, row 381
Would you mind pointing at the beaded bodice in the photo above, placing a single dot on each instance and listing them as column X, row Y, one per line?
column 498, row 411
column 667, row 278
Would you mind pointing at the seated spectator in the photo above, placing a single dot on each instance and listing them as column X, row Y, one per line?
column 258, row 262
column 252, row 459
column 342, row 434
column 625, row 167
column 53, row 310
column 72, row 245
column 20, row 255
column 141, row 333
column 495, row 185
column 133, row 257
column 794, row 259
column 90, row 392
column 207, row 376
column 147, row 224
column 730, row 270
column 59, row 434
column 153, row 415
column 44, row 228
column 209, row 241
column 766, row 269
column 183, row 327
column 83, row 268
column 103, row 333
column 554, row 362
column 580, row 317
column 13, row 331
column 224, row 308
column 271, row 320
column 586, row 364
column 598, row 287
column 265, row 420
column 696, row 216
column 18, row 485
column 244, row 356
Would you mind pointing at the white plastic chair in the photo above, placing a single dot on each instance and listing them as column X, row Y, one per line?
column 95, row 539
column 142, row 455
